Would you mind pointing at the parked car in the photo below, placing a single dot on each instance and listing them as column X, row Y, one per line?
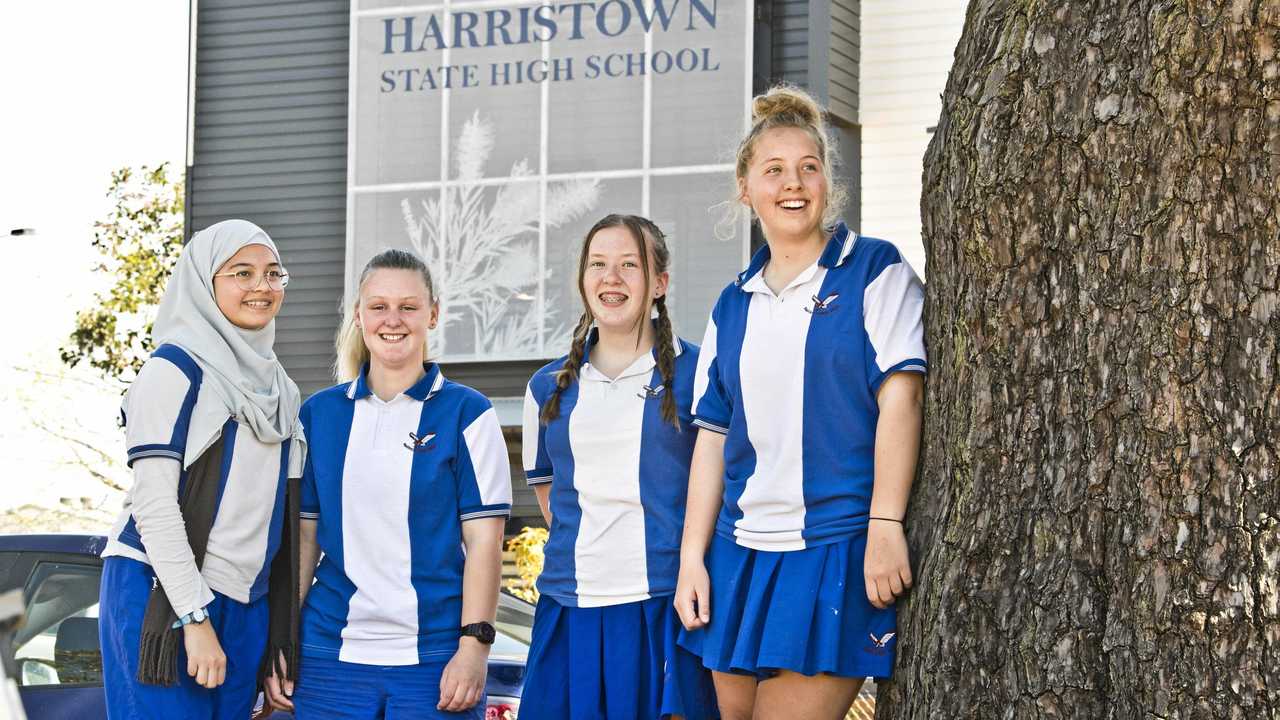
column 59, row 662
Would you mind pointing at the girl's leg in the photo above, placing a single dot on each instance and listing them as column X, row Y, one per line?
column 242, row 632
column 126, row 587
column 736, row 695
column 790, row 695
column 329, row 689
column 414, row 690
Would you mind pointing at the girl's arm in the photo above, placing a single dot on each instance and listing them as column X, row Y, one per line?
column 279, row 692
column 543, row 491
column 308, row 556
column 462, row 683
column 887, row 566
column 706, row 491
column 154, row 506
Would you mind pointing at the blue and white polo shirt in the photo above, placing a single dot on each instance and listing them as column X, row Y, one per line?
column 390, row 484
column 250, row 513
column 792, row 378
column 619, row 475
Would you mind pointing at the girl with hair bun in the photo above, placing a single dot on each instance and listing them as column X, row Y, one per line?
column 406, row 494
column 607, row 443
column 808, row 397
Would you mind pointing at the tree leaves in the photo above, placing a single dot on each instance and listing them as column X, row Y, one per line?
column 139, row 240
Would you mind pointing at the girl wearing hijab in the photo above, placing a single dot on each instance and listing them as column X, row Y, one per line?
column 211, row 427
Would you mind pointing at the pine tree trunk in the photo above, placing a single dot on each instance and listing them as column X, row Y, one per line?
column 1096, row 526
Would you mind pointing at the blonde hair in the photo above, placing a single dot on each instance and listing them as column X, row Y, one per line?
column 352, row 353
column 787, row 106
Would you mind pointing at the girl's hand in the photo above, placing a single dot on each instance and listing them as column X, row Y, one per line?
column 279, row 690
column 693, row 594
column 462, row 682
column 886, row 567
column 205, row 659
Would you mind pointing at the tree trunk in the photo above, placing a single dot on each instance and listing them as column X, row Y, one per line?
column 1096, row 526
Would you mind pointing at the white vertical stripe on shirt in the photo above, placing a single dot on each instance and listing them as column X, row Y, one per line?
column 892, row 307
column 604, row 434
column 772, row 371
column 701, row 377
column 490, row 461
column 531, row 434
column 237, row 544
column 382, row 617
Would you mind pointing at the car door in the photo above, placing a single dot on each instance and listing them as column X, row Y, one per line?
column 56, row 652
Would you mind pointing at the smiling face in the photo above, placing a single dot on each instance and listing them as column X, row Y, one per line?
column 248, row 309
column 786, row 184
column 395, row 311
column 613, row 280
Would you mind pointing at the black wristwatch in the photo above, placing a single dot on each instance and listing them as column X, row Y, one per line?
column 481, row 631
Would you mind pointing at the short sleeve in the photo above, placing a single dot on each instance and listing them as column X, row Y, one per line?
column 536, row 460
column 309, row 500
column 711, row 409
column 893, row 314
column 158, row 408
column 484, row 469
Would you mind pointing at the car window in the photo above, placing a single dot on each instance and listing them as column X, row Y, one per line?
column 58, row 645
column 515, row 619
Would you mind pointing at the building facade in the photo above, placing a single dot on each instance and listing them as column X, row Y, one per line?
column 279, row 134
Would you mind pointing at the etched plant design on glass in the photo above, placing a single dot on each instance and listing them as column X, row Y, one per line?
column 480, row 240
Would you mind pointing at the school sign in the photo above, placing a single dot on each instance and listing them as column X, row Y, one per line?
column 489, row 136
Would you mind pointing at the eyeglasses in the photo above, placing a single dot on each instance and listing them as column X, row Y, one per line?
column 249, row 280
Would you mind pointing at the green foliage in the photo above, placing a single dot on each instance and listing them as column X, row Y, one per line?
column 139, row 242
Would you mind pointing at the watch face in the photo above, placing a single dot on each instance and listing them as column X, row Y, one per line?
column 481, row 631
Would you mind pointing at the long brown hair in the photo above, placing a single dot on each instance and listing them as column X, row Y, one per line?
column 647, row 235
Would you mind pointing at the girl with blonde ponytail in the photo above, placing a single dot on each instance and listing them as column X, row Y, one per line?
column 607, row 445
column 406, row 498
column 809, row 394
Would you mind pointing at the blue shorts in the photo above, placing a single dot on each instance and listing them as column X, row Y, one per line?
column 241, row 630
column 329, row 688
column 619, row 662
column 802, row 610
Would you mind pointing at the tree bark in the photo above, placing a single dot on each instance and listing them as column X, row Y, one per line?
column 1096, row 526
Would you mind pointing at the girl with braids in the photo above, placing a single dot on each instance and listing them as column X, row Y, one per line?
column 607, row 443
column 406, row 495
column 808, row 401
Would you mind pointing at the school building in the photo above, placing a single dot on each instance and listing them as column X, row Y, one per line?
column 488, row 135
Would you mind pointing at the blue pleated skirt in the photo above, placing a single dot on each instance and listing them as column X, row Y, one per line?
column 619, row 662
column 803, row 610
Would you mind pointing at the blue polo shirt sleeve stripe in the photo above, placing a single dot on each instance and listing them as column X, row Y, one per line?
column 159, row 405
column 536, row 461
column 893, row 315
column 484, row 469
column 711, row 406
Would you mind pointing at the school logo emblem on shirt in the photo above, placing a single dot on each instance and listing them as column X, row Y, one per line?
column 880, row 645
column 650, row 392
column 822, row 306
column 419, row 444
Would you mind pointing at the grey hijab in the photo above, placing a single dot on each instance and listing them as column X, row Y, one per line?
column 242, row 377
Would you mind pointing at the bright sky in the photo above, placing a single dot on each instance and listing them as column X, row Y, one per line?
column 87, row 87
